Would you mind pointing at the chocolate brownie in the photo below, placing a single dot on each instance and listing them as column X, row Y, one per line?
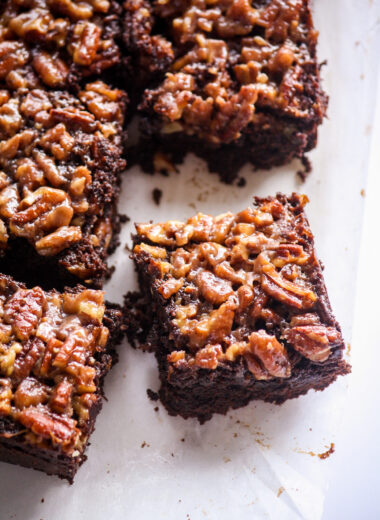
column 55, row 350
column 233, row 81
column 60, row 140
column 239, row 309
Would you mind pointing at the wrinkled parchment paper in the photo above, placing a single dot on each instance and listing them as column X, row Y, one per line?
column 260, row 461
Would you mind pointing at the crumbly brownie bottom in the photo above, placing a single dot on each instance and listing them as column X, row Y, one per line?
column 197, row 392
column 263, row 149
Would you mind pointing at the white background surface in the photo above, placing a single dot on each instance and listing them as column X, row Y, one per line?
column 255, row 462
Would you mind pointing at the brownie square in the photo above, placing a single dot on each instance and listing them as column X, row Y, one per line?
column 61, row 140
column 233, row 81
column 239, row 309
column 55, row 350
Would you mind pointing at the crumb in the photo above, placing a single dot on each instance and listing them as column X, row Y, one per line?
column 124, row 219
column 280, row 491
column 362, row 192
column 183, row 439
column 145, row 444
column 235, row 435
column 241, row 182
column 310, row 429
column 42, row 500
column 156, row 195
column 303, row 174
column 326, row 454
column 156, row 408
column 172, row 454
column 153, row 396
column 226, row 459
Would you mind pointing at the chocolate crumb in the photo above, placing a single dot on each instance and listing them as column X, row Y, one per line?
column 156, row 195
column 42, row 500
column 183, row 439
column 145, row 444
column 124, row 218
column 153, row 396
column 241, row 182
column 156, row 408
column 307, row 168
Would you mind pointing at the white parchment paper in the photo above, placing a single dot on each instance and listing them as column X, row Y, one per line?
column 260, row 461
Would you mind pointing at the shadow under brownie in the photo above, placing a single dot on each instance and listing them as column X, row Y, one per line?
column 235, row 308
column 55, row 350
column 232, row 81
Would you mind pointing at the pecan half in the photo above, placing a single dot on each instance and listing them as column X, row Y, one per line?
column 24, row 310
column 313, row 341
column 60, row 430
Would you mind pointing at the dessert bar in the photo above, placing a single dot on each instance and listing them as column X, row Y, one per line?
column 239, row 308
column 55, row 350
column 60, row 140
column 233, row 81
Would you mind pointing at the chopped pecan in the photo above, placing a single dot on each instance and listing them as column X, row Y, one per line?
column 44, row 210
column 60, row 401
column 31, row 353
column 59, row 240
column 5, row 396
column 24, row 311
column 313, row 341
column 170, row 287
column 271, row 353
column 30, row 392
column 51, row 69
column 281, row 289
column 215, row 290
column 88, row 305
column 208, row 356
column 61, row 430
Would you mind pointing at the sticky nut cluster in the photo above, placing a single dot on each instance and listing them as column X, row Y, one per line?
column 239, row 285
column 228, row 59
column 48, row 371
column 56, row 41
column 49, row 144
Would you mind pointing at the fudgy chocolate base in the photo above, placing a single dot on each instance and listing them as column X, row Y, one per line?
column 14, row 449
column 195, row 392
column 262, row 148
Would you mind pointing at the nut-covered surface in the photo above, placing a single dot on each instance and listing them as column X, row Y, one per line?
column 53, row 355
column 60, row 156
column 56, row 42
column 228, row 64
column 239, row 286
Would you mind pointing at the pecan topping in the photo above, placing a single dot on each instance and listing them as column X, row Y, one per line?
column 239, row 286
column 49, row 348
column 227, row 62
